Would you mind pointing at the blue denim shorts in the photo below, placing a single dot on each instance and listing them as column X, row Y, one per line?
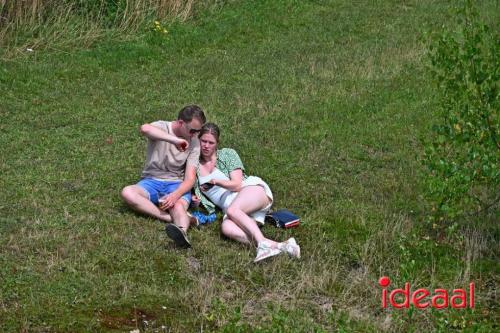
column 158, row 188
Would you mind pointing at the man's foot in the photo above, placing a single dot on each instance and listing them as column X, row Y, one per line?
column 291, row 247
column 193, row 220
column 264, row 251
column 177, row 235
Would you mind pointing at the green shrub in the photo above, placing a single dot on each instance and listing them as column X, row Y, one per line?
column 462, row 155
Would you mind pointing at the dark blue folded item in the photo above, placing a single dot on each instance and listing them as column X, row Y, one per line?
column 283, row 218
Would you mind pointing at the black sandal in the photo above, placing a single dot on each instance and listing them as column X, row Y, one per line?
column 177, row 235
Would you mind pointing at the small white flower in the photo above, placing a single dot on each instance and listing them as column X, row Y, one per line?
column 29, row 50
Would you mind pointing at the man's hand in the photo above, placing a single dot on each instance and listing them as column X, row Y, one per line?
column 181, row 144
column 195, row 200
column 168, row 201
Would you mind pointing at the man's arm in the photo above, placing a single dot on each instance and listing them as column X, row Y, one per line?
column 154, row 133
column 186, row 185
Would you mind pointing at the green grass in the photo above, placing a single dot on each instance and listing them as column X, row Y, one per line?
column 325, row 100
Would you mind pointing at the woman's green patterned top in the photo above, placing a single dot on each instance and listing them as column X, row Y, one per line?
column 227, row 161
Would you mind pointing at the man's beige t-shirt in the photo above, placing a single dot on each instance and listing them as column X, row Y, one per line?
column 165, row 161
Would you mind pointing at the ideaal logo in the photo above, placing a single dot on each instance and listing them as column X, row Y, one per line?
column 439, row 299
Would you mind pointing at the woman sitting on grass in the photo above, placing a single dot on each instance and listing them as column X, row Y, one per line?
column 245, row 200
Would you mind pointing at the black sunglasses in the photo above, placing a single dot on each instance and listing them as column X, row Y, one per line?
column 192, row 130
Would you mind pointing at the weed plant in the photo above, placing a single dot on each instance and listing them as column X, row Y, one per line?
column 50, row 24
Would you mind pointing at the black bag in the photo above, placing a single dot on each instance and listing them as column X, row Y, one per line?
column 283, row 218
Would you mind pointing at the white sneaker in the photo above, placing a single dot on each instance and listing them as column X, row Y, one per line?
column 291, row 247
column 264, row 250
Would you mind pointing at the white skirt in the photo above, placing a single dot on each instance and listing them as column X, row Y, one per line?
column 260, row 215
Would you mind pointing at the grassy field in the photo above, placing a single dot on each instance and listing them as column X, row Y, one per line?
column 326, row 100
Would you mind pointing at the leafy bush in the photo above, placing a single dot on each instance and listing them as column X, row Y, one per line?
column 463, row 153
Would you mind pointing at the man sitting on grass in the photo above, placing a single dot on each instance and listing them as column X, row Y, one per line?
column 164, row 190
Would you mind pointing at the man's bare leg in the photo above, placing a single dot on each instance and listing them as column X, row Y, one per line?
column 179, row 215
column 138, row 200
column 177, row 231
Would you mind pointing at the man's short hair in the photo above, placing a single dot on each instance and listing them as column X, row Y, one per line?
column 192, row 111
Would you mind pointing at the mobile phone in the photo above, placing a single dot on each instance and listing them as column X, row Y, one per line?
column 206, row 186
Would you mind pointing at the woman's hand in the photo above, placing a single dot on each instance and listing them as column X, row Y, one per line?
column 208, row 185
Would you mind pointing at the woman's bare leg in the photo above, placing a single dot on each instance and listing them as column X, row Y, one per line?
column 250, row 199
column 234, row 232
